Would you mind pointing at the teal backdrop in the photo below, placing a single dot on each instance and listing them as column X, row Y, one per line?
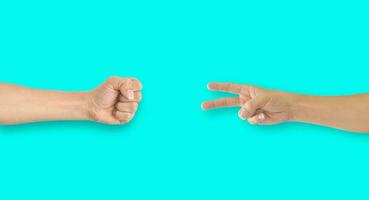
column 173, row 149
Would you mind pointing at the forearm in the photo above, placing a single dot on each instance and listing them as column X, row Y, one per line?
column 344, row 112
column 20, row 105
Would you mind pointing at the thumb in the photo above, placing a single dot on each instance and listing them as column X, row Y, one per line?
column 127, row 90
column 123, row 85
column 250, row 107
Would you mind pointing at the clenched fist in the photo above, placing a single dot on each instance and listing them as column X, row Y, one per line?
column 258, row 106
column 115, row 101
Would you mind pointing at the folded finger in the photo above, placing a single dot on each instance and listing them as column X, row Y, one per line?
column 136, row 85
column 129, row 107
column 136, row 97
column 123, row 117
column 126, row 89
column 257, row 119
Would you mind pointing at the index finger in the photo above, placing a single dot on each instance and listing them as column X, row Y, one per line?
column 226, row 87
column 128, row 86
column 135, row 84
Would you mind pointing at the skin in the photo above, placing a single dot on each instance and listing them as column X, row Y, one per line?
column 113, row 102
column 267, row 107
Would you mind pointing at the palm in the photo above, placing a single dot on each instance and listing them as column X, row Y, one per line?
column 105, row 100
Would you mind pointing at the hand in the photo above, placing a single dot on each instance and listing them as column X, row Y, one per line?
column 115, row 101
column 258, row 106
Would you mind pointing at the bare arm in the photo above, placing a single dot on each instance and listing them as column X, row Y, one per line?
column 262, row 106
column 114, row 102
column 342, row 112
column 20, row 104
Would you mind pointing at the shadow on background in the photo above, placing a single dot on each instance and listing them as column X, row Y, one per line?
column 54, row 126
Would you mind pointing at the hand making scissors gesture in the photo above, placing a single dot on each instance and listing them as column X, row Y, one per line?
column 258, row 106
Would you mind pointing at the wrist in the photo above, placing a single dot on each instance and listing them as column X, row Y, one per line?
column 86, row 106
column 296, row 106
column 77, row 103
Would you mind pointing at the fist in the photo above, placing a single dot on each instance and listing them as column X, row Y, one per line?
column 257, row 105
column 115, row 101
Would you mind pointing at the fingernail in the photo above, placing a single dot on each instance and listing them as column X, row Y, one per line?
column 130, row 95
column 262, row 116
column 244, row 113
column 240, row 113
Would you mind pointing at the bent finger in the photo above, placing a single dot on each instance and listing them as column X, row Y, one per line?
column 136, row 84
column 251, row 107
column 126, row 89
column 136, row 98
column 257, row 119
column 123, row 117
column 129, row 107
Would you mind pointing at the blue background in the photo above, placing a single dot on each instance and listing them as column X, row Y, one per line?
column 173, row 149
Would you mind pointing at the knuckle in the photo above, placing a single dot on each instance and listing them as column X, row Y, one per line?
column 131, row 107
column 112, row 78
column 139, row 96
column 247, row 106
column 127, row 118
column 135, row 106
